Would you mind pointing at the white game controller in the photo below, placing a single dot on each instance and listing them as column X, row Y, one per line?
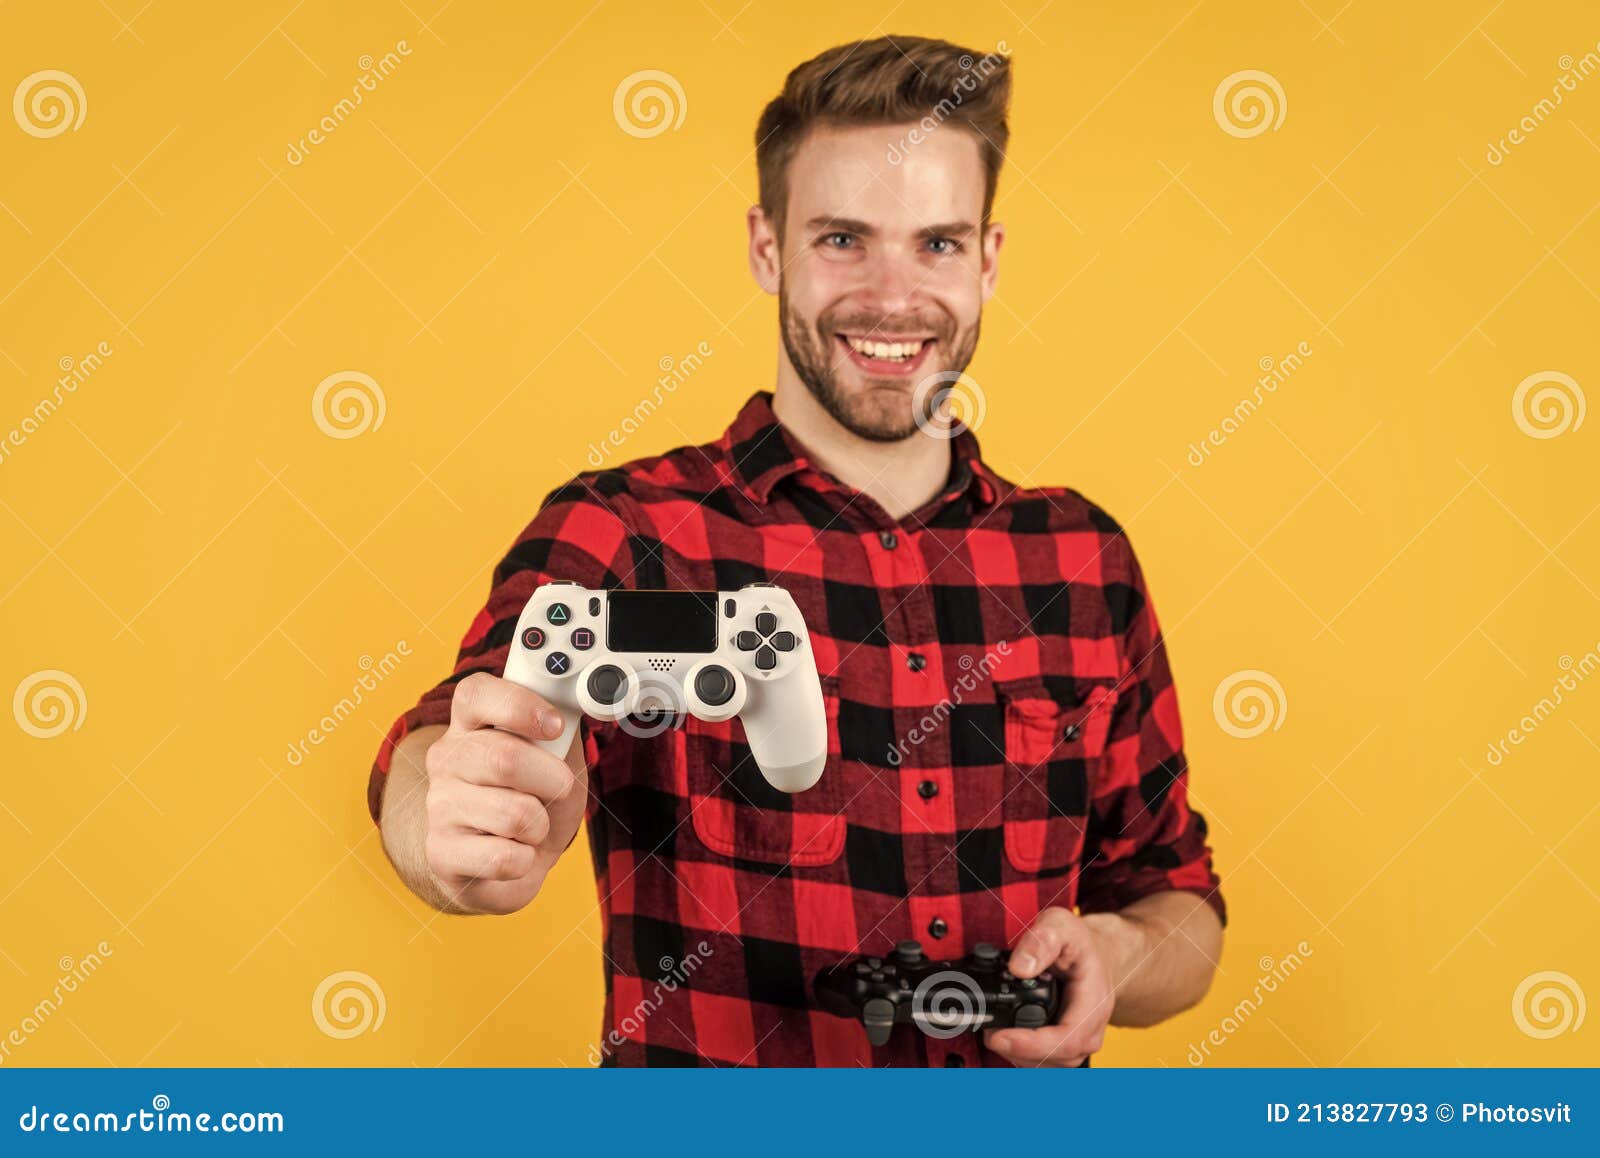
column 712, row 654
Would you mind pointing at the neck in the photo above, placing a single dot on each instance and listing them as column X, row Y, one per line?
column 899, row 476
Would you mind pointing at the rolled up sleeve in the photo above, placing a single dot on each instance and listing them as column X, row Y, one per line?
column 1143, row 837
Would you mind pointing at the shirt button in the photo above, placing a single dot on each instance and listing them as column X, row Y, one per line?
column 928, row 789
column 937, row 928
column 1071, row 732
column 889, row 540
column 916, row 661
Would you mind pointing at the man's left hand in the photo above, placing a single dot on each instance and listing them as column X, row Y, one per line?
column 1061, row 941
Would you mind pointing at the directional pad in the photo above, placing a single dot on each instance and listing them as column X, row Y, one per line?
column 784, row 641
column 747, row 641
column 766, row 658
column 766, row 623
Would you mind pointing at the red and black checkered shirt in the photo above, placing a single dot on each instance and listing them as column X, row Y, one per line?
column 1003, row 736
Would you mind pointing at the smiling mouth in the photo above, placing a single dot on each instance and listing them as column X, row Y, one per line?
column 885, row 356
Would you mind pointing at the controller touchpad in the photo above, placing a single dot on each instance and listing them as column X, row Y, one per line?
column 667, row 622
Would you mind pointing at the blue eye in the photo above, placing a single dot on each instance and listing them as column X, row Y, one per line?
column 843, row 240
column 950, row 245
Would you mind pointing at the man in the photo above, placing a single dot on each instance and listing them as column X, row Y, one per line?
column 1004, row 734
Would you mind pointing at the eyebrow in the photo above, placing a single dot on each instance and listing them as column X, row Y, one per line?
column 829, row 223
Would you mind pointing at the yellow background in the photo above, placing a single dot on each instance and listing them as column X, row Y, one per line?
column 483, row 239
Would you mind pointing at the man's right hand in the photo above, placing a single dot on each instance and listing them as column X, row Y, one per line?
column 500, row 809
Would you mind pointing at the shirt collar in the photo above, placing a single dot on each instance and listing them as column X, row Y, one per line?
column 761, row 453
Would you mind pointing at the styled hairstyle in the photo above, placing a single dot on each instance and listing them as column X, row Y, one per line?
column 891, row 80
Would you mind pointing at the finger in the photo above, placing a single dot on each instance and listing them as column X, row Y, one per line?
column 1052, row 939
column 503, row 812
column 499, row 760
column 1054, row 1045
column 493, row 896
column 1089, row 1000
column 461, row 858
column 485, row 701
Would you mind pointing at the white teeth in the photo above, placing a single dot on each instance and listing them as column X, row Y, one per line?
column 889, row 351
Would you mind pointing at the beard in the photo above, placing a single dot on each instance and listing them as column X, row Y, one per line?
column 885, row 409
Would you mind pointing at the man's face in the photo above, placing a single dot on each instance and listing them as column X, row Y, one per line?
column 882, row 272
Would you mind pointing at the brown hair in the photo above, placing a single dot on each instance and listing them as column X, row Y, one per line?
column 888, row 81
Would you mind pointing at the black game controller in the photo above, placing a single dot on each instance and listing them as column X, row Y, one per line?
column 941, row 998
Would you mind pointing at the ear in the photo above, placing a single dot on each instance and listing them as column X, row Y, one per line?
column 993, row 236
column 766, row 252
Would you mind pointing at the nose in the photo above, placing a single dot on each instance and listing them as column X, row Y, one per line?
column 893, row 279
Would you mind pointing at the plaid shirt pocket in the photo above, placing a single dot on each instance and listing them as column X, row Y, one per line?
column 1052, row 752
column 736, row 813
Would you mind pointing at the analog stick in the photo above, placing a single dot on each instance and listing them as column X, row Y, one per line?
column 606, row 683
column 714, row 686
